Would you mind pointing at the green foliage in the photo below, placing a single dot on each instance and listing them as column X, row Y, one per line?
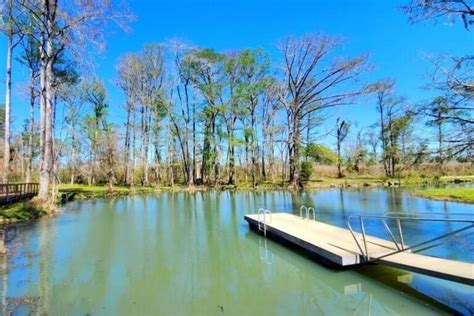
column 463, row 194
column 320, row 154
column 22, row 211
column 93, row 92
column 306, row 170
column 204, row 69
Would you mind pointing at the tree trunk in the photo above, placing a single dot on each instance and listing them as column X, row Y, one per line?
column 339, row 171
column 156, row 144
column 46, row 165
column 294, row 153
column 383, row 140
column 132, row 151
column 127, row 148
column 194, row 143
column 231, row 180
column 29, row 169
column 254, row 150
column 440, row 141
column 145, row 144
column 73, row 154
column 171, row 159
column 8, row 86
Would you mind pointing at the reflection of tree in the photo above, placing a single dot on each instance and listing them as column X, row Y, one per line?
column 296, row 202
column 46, row 245
column 341, row 202
column 4, row 260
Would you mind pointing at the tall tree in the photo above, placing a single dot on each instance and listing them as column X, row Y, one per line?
column 252, row 68
column 206, row 73
column 128, row 72
column 11, row 19
column 231, row 112
column 384, row 94
column 150, row 93
column 63, row 26
column 73, row 101
column 94, row 94
column 314, row 82
column 342, row 130
column 183, row 117
column 270, row 109
column 437, row 111
column 30, row 57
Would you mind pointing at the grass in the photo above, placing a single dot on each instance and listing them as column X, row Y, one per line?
column 463, row 194
column 69, row 192
column 21, row 212
column 33, row 209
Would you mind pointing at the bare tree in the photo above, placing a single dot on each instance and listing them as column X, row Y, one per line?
column 270, row 108
column 94, row 94
column 383, row 91
column 73, row 101
column 453, row 75
column 314, row 82
column 151, row 80
column 183, row 119
column 420, row 10
column 128, row 71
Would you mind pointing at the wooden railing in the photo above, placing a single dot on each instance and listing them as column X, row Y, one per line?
column 17, row 191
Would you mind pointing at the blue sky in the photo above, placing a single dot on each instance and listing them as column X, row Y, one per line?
column 371, row 26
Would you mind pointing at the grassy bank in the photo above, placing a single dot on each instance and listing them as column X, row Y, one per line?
column 82, row 192
column 21, row 212
column 465, row 194
column 31, row 210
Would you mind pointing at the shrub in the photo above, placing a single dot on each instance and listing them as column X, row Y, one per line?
column 306, row 171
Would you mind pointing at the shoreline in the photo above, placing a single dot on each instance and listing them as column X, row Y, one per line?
column 27, row 211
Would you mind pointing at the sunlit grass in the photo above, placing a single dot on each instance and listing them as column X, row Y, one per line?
column 82, row 191
column 463, row 194
column 21, row 212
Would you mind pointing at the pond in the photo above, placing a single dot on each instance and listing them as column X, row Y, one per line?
column 192, row 253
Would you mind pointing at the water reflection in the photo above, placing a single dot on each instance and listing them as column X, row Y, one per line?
column 192, row 253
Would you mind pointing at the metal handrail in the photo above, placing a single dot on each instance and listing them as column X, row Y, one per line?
column 401, row 247
column 301, row 210
column 427, row 213
column 262, row 224
column 307, row 211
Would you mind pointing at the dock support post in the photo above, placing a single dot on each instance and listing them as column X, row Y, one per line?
column 367, row 258
column 401, row 234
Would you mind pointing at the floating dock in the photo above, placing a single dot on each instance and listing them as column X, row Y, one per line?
column 337, row 245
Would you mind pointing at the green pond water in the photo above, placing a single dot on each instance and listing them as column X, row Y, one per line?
column 192, row 253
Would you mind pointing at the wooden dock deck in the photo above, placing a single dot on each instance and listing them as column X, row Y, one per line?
column 337, row 245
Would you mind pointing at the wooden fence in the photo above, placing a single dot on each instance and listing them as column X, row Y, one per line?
column 17, row 191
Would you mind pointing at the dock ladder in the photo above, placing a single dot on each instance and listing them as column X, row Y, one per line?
column 307, row 211
column 262, row 220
